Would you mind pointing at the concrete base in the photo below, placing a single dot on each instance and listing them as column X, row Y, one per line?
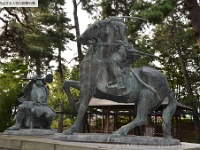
column 9, row 142
column 117, row 139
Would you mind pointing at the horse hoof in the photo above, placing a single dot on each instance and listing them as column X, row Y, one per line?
column 120, row 132
column 67, row 132
column 115, row 134
column 15, row 127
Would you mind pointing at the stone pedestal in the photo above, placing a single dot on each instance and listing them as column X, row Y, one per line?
column 117, row 139
column 10, row 142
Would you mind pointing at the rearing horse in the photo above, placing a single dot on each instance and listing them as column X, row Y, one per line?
column 145, row 86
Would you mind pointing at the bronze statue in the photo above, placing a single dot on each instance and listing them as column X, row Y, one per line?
column 34, row 111
column 106, row 73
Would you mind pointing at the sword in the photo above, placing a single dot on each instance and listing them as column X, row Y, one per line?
column 48, row 78
column 132, row 51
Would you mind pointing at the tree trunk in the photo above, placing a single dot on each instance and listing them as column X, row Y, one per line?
column 76, row 22
column 38, row 67
column 191, row 97
column 60, row 71
column 194, row 12
column 60, row 121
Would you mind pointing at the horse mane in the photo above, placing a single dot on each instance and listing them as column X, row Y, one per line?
column 115, row 23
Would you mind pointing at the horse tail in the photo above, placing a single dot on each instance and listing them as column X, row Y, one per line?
column 66, row 86
column 168, row 112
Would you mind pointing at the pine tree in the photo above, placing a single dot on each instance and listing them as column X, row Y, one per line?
column 58, row 30
column 23, row 38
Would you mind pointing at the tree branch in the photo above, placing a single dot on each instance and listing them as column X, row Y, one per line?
column 78, row 2
column 5, row 21
column 6, row 25
column 26, row 18
column 17, row 17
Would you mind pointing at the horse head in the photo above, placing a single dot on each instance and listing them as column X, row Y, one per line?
column 101, row 31
column 92, row 33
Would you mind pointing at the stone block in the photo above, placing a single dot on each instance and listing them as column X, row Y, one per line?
column 34, row 145
column 46, row 143
column 10, row 143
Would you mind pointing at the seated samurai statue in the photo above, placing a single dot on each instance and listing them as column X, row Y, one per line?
column 34, row 112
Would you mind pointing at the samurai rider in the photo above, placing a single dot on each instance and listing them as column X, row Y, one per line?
column 120, row 56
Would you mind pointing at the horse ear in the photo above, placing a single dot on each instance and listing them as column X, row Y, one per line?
column 96, row 26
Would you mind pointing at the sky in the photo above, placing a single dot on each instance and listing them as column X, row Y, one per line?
column 84, row 20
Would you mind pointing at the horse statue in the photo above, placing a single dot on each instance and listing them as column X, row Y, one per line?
column 105, row 72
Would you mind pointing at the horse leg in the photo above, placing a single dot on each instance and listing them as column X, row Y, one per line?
column 66, row 86
column 86, row 93
column 168, row 112
column 143, row 109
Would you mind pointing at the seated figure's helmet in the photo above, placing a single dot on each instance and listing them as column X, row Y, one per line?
column 49, row 78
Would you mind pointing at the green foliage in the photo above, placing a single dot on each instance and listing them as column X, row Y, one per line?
column 48, row 19
column 36, row 34
column 153, row 16
column 89, row 6
column 115, row 8
column 67, row 122
column 155, row 13
column 57, row 95
column 12, row 42
column 168, row 39
column 28, row 43
column 10, row 90
column 75, row 73
column 144, row 45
